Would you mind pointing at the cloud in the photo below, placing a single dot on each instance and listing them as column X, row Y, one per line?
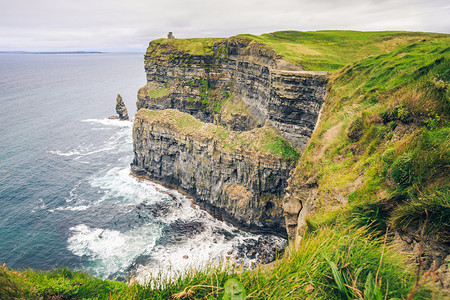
column 124, row 25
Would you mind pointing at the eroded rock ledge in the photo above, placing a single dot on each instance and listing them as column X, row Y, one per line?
column 238, row 176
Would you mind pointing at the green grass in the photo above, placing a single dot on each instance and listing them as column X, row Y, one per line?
column 273, row 143
column 331, row 50
column 323, row 258
column 264, row 140
column 392, row 111
column 194, row 46
column 158, row 92
column 30, row 284
column 314, row 50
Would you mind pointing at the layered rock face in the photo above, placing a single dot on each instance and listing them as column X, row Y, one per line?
column 276, row 92
column 237, row 176
column 225, row 124
column 295, row 102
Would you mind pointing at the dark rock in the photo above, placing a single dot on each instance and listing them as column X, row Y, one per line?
column 232, row 184
column 121, row 108
column 288, row 99
column 240, row 86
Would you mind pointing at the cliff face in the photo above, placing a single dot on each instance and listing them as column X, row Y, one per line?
column 242, row 90
column 275, row 92
column 238, row 176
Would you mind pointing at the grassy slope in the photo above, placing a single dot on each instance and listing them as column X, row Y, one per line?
column 385, row 125
column 331, row 50
column 265, row 140
column 304, row 274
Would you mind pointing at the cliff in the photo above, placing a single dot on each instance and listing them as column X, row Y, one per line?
column 237, row 176
column 380, row 155
column 248, row 82
column 243, row 91
column 203, row 81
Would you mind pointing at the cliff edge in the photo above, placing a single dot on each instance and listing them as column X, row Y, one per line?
column 236, row 88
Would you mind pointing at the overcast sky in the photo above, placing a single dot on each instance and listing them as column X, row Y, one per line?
column 128, row 25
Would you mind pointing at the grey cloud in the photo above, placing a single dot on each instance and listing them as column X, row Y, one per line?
column 123, row 25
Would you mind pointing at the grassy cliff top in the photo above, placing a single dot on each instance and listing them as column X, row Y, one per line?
column 314, row 50
column 264, row 140
column 331, row 50
column 194, row 46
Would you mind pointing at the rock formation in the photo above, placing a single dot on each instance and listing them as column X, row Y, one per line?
column 273, row 91
column 234, row 175
column 121, row 109
column 225, row 124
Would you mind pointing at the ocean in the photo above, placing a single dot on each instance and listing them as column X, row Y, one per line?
column 66, row 196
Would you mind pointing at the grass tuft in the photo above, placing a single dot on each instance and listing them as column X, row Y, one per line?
column 328, row 263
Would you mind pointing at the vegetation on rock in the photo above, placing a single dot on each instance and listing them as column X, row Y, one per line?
column 264, row 140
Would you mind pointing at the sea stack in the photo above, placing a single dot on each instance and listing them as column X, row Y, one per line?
column 121, row 109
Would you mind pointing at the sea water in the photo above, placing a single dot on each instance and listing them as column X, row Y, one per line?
column 66, row 196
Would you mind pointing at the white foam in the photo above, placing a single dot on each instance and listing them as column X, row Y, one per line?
column 110, row 122
column 70, row 153
column 118, row 183
column 111, row 251
column 120, row 141
column 203, row 249
column 40, row 206
column 71, row 208
column 82, row 150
